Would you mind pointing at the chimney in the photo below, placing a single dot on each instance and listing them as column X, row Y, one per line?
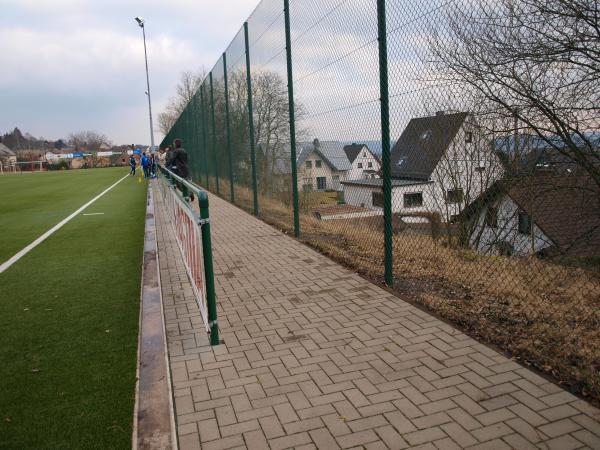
column 316, row 143
column 439, row 113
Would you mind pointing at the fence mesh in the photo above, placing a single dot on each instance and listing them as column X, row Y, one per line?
column 494, row 162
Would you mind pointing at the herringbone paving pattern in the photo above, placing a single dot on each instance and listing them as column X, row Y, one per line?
column 317, row 357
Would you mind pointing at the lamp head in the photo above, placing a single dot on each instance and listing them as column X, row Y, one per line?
column 140, row 21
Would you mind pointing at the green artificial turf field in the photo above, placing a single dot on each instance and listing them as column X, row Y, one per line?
column 69, row 310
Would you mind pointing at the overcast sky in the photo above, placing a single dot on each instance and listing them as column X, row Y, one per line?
column 72, row 65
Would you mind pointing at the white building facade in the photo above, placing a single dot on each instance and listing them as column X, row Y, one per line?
column 439, row 166
column 364, row 164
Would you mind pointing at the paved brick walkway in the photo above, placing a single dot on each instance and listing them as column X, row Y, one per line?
column 316, row 357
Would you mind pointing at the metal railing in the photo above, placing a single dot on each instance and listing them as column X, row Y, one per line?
column 192, row 233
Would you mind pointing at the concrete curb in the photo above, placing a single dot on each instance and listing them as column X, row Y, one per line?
column 154, row 422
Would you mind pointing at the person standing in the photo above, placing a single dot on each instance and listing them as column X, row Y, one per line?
column 162, row 156
column 152, row 165
column 146, row 165
column 132, row 164
column 177, row 160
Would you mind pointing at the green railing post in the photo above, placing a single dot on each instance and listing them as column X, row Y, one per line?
column 214, row 131
column 228, row 129
column 185, row 192
column 209, row 276
column 204, row 133
column 251, row 121
column 385, row 143
column 290, row 80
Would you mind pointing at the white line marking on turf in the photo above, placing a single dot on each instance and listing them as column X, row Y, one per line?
column 93, row 214
column 5, row 265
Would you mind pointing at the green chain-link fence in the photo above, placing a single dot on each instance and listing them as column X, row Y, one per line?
column 447, row 148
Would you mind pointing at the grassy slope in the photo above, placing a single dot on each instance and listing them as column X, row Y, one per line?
column 70, row 309
column 32, row 203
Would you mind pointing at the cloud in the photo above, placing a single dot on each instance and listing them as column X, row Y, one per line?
column 73, row 64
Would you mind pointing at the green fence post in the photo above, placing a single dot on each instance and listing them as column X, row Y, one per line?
column 204, row 133
column 209, row 276
column 251, row 121
column 193, row 138
column 290, row 80
column 385, row 143
column 214, row 131
column 228, row 129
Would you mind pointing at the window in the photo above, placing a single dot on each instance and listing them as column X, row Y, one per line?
column 468, row 137
column 491, row 217
column 307, row 184
column 309, row 164
column 524, row 223
column 400, row 162
column 454, row 196
column 370, row 165
column 426, row 135
column 364, row 154
column 318, row 163
column 413, row 200
column 360, row 165
column 321, row 183
column 377, row 199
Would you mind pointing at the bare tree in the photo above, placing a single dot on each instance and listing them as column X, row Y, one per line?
column 271, row 124
column 88, row 140
column 536, row 63
column 189, row 83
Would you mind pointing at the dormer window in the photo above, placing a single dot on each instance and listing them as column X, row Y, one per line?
column 468, row 137
column 426, row 135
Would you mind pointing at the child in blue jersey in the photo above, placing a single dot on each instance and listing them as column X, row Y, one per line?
column 146, row 165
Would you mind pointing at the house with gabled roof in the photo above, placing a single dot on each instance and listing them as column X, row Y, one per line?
column 544, row 214
column 439, row 165
column 322, row 165
column 7, row 156
column 364, row 164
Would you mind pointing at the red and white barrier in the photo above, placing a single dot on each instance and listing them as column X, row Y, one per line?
column 187, row 229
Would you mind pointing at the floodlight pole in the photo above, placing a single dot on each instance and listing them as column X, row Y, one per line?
column 141, row 24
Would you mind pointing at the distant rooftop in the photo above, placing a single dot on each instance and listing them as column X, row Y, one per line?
column 378, row 182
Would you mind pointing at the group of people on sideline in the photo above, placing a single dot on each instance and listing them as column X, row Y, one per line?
column 173, row 158
column 148, row 164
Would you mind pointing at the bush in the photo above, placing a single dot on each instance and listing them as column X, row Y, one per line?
column 60, row 165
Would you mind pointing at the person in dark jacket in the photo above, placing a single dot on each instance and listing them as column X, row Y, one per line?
column 132, row 164
column 177, row 160
column 152, row 165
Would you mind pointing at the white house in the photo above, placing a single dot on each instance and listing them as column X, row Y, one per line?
column 322, row 166
column 537, row 214
column 8, row 158
column 364, row 164
column 439, row 165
